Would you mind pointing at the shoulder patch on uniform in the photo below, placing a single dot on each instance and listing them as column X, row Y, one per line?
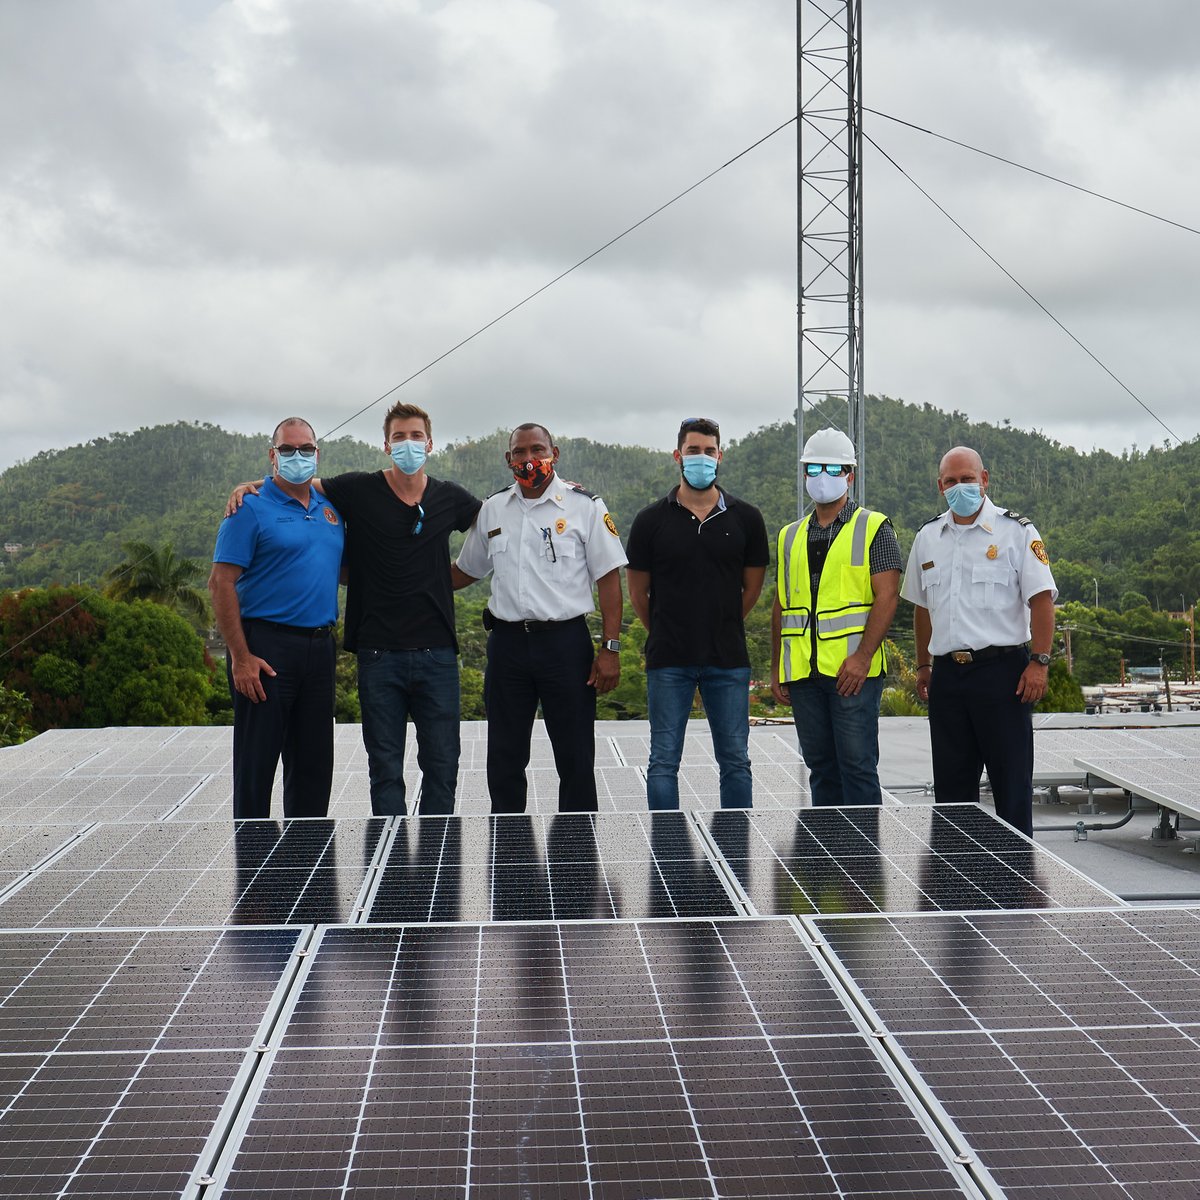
column 610, row 525
column 578, row 487
column 1039, row 552
column 1016, row 516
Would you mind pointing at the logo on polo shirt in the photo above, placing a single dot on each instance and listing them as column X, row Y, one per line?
column 331, row 516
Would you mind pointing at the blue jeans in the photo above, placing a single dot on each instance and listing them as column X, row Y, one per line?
column 839, row 739
column 725, row 692
column 392, row 686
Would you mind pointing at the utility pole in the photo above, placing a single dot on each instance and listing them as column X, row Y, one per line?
column 829, row 227
column 1067, row 646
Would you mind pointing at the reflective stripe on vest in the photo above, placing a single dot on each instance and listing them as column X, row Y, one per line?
column 844, row 598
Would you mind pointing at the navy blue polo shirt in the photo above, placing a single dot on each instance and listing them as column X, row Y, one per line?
column 290, row 556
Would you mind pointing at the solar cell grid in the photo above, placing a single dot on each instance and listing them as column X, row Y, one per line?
column 532, row 867
column 260, row 872
column 1063, row 1044
column 78, row 798
column 112, row 1124
column 448, row 1060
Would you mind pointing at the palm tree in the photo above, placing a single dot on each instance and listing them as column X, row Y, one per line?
column 159, row 575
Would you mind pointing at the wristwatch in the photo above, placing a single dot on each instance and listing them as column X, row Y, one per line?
column 613, row 644
column 1044, row 659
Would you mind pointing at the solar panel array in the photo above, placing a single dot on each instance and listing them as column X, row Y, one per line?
column 899, row 1002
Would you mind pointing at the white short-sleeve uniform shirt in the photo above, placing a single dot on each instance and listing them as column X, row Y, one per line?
column 977, row 580
column 544, row 555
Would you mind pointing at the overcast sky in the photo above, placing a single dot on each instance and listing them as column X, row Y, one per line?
column 238, row 211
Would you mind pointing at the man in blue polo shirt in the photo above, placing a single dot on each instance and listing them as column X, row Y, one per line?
column 274, row 589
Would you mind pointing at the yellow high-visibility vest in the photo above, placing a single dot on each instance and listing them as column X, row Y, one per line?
column 844, row 598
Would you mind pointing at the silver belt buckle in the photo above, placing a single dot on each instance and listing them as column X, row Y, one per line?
column 962, row 656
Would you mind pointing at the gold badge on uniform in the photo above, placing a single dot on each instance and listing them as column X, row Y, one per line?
column 992, row 551
column 1039, row 552
column 331, row 516
column 560, row 526
column 610, row 525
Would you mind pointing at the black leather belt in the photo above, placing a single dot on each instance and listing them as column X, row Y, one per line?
column 298, row 630
column 961, row 657
column 528, row 626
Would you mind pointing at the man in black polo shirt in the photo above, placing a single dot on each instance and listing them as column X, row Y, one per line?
column 400, row 611
column 697, row 559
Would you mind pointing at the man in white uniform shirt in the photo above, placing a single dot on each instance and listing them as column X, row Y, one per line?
column 546, row 542
column 980, row 579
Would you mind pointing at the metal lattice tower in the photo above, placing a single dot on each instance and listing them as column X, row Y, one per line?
column 829, row 216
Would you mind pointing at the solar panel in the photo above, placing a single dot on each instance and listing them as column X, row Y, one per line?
column 492, row 1059
column 77, row 798
column 1169, row 782
column 1063, row 1044
column 257, row 872
column 349, row 796
column 23, row 847
column 533, row 867
column 120, row 1049
column 865, row 860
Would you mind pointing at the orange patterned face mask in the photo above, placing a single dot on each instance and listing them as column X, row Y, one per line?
column 533, row 472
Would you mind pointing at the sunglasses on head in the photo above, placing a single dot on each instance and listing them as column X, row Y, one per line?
column 688, row 422
column 814, row 469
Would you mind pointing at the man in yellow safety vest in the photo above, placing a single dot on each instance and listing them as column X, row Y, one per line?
column 838, row 578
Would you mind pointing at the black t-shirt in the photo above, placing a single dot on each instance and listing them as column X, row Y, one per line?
column 696, row 579
column 399, row 595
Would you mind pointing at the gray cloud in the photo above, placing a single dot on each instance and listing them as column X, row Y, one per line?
column 220, row 211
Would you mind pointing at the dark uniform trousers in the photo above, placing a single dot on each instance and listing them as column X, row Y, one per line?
column 551, row 664
column 295, row 720
column 976, row 720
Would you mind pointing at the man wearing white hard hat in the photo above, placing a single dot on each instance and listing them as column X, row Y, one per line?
column 838, row 578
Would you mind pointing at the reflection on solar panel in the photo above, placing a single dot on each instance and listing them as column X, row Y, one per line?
column 605, row 1059
column 864, row 860
column 565, row 867
column 187, row 874
column 1064, row 1045
column 120, row 1049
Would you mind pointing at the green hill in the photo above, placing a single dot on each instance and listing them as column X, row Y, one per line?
column 1124, row 521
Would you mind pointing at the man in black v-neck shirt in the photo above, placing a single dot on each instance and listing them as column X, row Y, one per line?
column 400, row 611
column 696, row 564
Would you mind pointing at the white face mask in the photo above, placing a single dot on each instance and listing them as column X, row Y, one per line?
column 825, row 489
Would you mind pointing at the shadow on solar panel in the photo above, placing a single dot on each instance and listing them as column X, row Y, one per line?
column 528, row 867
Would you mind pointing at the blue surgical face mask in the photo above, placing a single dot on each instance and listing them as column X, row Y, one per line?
column 964, row 499
column 299, row 468
column 825, row 489
column 409, row 456
column 699, row 470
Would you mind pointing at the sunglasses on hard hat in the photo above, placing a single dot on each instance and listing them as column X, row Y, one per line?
column 814, row 469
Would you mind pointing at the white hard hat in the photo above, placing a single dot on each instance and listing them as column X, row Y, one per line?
column 829, row 446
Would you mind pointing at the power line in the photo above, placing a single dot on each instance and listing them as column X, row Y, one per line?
column 1033, row 171
column 1113, row 635
column 563, row 274
column 1000, row 266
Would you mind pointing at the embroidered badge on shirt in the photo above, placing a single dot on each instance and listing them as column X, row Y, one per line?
column 610, row 525
column 560, row 526
column 992, row 551
column 331, row 516
column 1039, row 552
